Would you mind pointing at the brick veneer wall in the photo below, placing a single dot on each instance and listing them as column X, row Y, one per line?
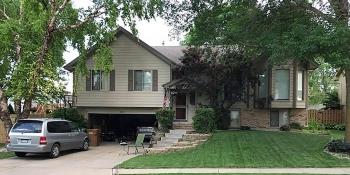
column 255, row 118
column 259, row 118
column 298, row 116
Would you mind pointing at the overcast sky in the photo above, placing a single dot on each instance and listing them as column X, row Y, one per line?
column 153, row 32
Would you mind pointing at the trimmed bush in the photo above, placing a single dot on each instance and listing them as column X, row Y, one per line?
column 70, row 114
column 204, row 121
column 165, row 117
column 295, row 125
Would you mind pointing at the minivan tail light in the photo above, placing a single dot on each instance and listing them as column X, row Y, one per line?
column 43, row 141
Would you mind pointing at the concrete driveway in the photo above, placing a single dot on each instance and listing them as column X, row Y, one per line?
column 97, row 161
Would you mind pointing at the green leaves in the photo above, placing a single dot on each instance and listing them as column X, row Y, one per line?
column 31, row 54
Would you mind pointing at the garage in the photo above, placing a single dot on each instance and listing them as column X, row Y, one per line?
column 120, row 126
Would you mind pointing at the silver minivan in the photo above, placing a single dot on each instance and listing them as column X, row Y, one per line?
column 46, row 136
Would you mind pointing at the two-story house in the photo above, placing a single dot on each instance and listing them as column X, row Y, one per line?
column 141, row 77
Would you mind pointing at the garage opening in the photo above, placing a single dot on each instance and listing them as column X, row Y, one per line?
column 121, row 126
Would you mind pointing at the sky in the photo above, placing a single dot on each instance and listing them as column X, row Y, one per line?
column 153, row 32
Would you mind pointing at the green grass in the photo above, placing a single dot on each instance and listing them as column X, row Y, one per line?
column 333, row 134
column 4, row 155
column 247, row 149
column 231, row 174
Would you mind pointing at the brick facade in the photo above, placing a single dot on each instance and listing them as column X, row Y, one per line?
column 260, row 118
column 298, row 116
column 255, row 118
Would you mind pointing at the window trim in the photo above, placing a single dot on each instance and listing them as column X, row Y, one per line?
column 282, row 99
column 142, row 84
column 302, row 83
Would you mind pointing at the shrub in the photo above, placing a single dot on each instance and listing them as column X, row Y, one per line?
column 204, row 121
column 285, row 128
column 70, row 114
column 295, row 125
column 329, row 126
column 337, row 146
column 340, row 127
column 313, row 125
column 165, row 117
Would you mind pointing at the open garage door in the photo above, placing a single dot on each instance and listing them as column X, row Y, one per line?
column 121, row 125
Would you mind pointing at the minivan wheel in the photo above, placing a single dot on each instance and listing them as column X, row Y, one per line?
column 20, row 154
column 55, row 151
column 85, row 146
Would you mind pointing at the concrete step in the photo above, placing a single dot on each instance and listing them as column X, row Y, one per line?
column 185, row 126
column 174, row 140
column 169, row 135
column 178, row 132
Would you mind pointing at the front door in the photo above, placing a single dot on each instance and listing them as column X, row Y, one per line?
column 180, row 113
column 235, row 119
column 274, row 119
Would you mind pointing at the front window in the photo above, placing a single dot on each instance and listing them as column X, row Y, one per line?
column 96, row 80
column 143, row 80
column 263, row 80
column 300, row 87
column 282, row 84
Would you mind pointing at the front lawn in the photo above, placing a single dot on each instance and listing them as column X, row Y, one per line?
column 247, row 149
column 4, row 155
column 231, row 174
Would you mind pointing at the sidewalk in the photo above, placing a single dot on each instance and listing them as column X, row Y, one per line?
column 237, row 170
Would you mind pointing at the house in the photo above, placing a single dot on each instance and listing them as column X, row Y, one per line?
column 141, row 83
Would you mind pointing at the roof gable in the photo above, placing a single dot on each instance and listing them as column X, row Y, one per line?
column 120, row 31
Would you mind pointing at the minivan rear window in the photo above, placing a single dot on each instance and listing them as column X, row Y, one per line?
column 28, row 126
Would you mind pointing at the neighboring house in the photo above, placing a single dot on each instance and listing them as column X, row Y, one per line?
column 141, row 83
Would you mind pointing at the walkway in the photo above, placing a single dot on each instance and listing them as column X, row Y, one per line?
column 238, row 170
column 97, row 161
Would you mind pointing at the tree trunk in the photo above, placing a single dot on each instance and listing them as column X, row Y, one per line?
column 4, row 114
column 26, row 109
column 18, row 109
column 347, row 107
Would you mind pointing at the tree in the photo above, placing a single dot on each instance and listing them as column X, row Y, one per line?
column 35, row 33
column 277, row 30
column 322, row 82
column 222, row 73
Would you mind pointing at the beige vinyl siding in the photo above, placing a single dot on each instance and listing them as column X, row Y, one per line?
column 127, row 55
column 283, row 103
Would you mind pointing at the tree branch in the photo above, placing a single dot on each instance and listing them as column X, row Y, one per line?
column 4, row 13
column 54, row 16
column 89, row 17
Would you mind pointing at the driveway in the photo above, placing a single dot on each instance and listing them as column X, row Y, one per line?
column 97, row 161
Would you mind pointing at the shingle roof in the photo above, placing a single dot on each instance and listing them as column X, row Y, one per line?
column 171, row 52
